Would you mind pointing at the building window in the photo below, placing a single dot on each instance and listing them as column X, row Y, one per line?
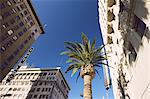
column 14, row 1
column 132, row 53
column 21, row 46
column 49, row 89
column 40, row 83
column 2, row 5
column 17, row 17
column 8, row 3
column 35, row 30
column 4, row 26
column 14, row 89
column 38, row 89
column 21, row 24
column 29, row 37
column 29, row 97
column 29, row 18
column 31, row 23
column 9, row 43
column 12, row 21
column 16, row 27
column 35, row 96
column 25, row 12
column 33, row 89
column 22, row 6
column 13, row 11
column 25, row 30
column 43, row 89
column 15, row 38
column 10, row 32
column 21, row 14
column 3, row 48
column 16, row 52
column 19, row 89
column 20, row 33
column 18, row 8
column 6, row 14
column 32, row 33
column 139, row 26
column 44, row 74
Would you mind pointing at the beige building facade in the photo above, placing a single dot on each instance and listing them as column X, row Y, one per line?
column 19, row 28
column 35, row 83
column 125, row 27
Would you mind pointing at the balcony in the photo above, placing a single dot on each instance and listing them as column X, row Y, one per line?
column 111, row 3
column 110, row 16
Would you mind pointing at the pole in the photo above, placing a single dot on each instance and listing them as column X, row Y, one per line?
column 106, row 94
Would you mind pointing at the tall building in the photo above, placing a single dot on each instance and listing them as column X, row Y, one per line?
column 19, row 28
column 35, row 83
column 125, row 27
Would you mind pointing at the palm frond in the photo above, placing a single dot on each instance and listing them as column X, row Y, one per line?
column 78, row 76
column 84, row 39
column 75, row 70
column 69, row 68
column 93, row 44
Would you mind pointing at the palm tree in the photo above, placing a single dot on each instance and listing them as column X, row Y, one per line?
column 84, row 57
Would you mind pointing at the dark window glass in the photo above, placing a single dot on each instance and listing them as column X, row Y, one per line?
column 32, row 33
column 21, row 24
column 18, row 8
column 44, row 74
column 9, row 43
column 38, row 89
column 40, row 83
column 17, row 17
column 31, row 23
column 35, row 30
column 20, row 33
column 3, row 66
column 13, row 1
column 26, row 41
column 33, row 89
column 29, row 18
column 22, row 6
column 133, row 54
column 16, row 27
column 35, row 96
column 29, row 37
column 21, row 46
column 12, row 21
column 25, row 12
column 6, row 14
column 10, row 58
column 25, row 30
column 16, row 52
column 2, row 5
column 21, row 14
column 139, row 26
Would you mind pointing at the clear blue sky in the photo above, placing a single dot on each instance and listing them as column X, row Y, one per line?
column 65, row 20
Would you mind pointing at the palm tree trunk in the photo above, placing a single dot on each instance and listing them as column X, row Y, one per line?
column 87, row 87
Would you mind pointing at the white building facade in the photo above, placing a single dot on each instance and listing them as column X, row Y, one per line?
column 35, row 83
column 125, row 27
